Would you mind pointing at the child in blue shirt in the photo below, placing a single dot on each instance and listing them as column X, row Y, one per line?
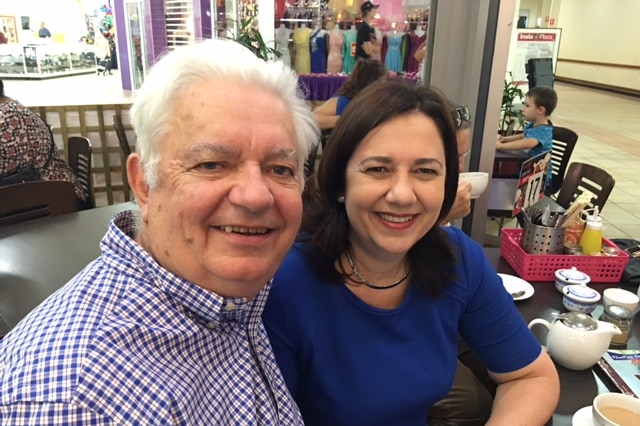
column 539, row 103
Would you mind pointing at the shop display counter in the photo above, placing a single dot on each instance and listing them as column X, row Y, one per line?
column 38, row 61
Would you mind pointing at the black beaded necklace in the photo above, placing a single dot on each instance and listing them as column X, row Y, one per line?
column 362, row 280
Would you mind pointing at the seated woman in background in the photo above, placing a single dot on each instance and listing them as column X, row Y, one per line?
column 26, row 144
column 365, row 312
column 365, row 72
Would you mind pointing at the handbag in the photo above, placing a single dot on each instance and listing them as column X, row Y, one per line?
column 631, row 274
column 28, row 174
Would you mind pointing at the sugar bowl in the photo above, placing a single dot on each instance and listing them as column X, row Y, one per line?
column 565, row 277
column 580, row 298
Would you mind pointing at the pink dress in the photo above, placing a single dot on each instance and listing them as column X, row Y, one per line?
column 334, row 61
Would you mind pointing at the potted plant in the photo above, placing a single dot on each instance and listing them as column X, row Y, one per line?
column 249, row 36
column 511, row 114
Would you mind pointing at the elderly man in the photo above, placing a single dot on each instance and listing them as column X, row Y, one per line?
column 164, row 327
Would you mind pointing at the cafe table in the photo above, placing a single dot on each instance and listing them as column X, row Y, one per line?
column 39, row 256
column 578, row 388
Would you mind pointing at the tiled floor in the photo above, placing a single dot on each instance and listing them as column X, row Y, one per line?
column 608, row 125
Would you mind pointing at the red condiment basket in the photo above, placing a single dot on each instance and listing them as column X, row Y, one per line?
column 540, row 267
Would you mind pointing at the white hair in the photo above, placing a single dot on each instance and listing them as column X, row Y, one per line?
column 207, row 60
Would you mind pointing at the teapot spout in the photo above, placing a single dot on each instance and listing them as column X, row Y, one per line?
column 607, row 329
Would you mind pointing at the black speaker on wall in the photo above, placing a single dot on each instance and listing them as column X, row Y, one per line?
column 539, row 72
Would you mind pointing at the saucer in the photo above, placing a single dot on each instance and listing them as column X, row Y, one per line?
column 583, row 417
column 514, row 284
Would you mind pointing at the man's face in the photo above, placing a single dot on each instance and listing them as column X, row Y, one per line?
column 228, row 202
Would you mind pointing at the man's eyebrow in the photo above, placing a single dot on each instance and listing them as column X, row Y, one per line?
column 203, row 148
column 225, row 150
column 283, row 153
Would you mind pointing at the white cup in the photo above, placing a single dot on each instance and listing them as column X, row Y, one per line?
column 478, row 181
column 615, row 409
column 620, row 297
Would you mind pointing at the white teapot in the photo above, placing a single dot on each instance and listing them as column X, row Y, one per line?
column 577, row 341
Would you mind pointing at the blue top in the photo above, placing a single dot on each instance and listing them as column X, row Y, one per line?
column 348, row 363
column 343, row 101
column 543, row 133
column 127, row 342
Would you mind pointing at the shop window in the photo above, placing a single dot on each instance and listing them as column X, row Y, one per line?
column 178, row 22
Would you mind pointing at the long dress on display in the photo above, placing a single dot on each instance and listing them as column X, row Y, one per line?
column 318, row 51
column 334, row 61
column 301, row 42
column 416, row 41
column 393, row 59
column 348, row 50
column 282, row 44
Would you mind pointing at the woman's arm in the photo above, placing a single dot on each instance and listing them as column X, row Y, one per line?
column 325, row 115
column 527, row 396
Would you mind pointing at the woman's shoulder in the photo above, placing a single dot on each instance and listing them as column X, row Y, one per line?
column 464, row 246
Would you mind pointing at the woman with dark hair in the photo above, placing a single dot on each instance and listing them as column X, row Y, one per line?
column 27, row 146
column 365, row 72
column 365, row 312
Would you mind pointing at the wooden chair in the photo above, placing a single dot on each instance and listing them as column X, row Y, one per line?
column 582, row 177
column 122, row 136
column 79, row 149
column 564, row 142
column 32, row 200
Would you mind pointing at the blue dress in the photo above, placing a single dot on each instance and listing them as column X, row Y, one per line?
column 318, row 44
column 393, row 58
column 348, row 363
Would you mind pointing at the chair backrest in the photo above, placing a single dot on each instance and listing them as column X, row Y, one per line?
column 582, row 177
column 122, row 136
column 80, row 161
column 32, row 200
column 564, row 142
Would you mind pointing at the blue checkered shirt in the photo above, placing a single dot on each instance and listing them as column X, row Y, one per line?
column 127, row 342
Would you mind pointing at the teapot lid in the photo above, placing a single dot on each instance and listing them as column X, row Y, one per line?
column 578, row 320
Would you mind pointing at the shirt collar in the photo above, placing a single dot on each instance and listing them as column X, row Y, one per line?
column 124, row 252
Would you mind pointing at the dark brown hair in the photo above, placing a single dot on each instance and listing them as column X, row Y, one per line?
column 544, row 97
column 325, row 224
column 365, row 72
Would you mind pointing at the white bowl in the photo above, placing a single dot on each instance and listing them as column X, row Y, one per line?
column 478, row 181
column 620, row 404
column 620, row 297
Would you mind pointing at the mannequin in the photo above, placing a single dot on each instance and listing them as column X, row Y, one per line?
column 319, row 49
column 348, row 49
column 419, row 32
column 393, row 56
column 301, row 38
column 282, row 35
column 334, row 59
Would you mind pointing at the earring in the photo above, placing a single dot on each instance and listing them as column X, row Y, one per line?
column 341, row 199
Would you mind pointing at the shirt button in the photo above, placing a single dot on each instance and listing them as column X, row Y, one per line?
column 211, row 325
column 230, row 306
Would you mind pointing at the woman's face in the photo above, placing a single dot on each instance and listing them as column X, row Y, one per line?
column 395, row 183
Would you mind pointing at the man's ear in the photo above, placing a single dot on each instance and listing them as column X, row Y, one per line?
column 137, row 182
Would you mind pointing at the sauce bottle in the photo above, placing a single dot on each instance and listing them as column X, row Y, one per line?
column 591, row 239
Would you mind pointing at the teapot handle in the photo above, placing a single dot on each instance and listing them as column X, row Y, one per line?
column 543, row 322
